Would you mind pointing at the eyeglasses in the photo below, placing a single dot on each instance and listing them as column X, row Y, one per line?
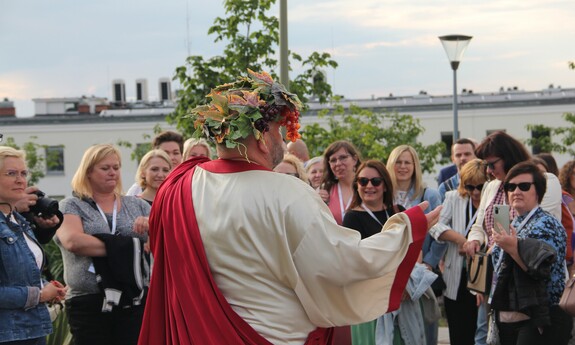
column 15, row 173
column 470, row 187
column 375, row 181
column 341, row 158
column 523, row 186
column 292, row 174
column 491, row 165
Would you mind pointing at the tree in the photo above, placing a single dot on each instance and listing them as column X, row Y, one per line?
column 374, row 134
column 252, row 37
column 565, row 135
column 140, row 150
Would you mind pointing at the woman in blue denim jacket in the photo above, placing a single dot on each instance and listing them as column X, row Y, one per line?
column 24, row 318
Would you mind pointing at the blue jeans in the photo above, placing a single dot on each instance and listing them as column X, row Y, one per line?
column 481, row 331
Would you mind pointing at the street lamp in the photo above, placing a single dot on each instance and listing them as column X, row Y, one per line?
column 455, row 46
column 284, row 51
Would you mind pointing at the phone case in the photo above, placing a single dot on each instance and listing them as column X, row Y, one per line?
column 501, row 216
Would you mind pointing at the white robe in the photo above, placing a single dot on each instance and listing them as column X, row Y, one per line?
column 282, row 262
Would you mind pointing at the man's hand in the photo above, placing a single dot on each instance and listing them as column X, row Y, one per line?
column 433, row 216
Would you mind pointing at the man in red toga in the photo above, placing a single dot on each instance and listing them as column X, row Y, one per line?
column 243, row 255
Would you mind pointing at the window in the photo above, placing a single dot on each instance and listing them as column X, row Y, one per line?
column 70, row 107
column 55, row 160
column 447, row 139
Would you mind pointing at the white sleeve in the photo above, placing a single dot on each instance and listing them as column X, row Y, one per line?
column 552, row 199
column 446, row 216
column 341, row 278
column 134, row 190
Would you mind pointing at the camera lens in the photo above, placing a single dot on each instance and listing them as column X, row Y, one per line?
column 45, row 207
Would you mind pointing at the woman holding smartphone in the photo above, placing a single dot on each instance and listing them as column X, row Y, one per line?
column 501, row 152
column 530, row 263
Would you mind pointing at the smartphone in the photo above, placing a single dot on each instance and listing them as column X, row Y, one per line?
column 501, row 216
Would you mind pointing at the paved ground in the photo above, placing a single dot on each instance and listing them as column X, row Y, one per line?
column 443, row 336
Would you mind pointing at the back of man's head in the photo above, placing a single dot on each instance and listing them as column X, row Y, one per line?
column 299, row 149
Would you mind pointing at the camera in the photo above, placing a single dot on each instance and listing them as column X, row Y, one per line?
column 45, row 207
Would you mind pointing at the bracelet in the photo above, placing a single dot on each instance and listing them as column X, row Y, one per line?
column 40, row 297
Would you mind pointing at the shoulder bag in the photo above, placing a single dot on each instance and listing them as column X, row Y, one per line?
column 480, row 272
column 567, row 302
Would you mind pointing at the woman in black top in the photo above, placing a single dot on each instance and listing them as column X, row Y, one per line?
column 371, row 206
column 372, row 202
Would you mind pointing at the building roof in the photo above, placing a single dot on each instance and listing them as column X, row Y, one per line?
column 405, row 104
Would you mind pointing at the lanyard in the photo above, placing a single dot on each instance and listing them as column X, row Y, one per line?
column 402, row 198
column 373, row 215
column 341, row 201
column 114, row 214
column 472, row 218
column 499, row 261
column 529, row 215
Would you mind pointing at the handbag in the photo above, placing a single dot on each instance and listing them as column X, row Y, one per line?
column 492, row 330
column 567, row 302
column 480, row 272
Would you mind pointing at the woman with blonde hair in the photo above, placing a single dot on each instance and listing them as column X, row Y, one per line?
column 291, row 165
column 24, row 317
column 152, row 171
column 407, row 178
column 457, row 216
column 196, row 147
column 101, row 232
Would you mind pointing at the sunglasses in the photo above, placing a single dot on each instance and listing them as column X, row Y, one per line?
column 470, row 187
column 375, row 181
column 523, row 186
column 491, row 165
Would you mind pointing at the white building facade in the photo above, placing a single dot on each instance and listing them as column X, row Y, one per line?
column 479, row 115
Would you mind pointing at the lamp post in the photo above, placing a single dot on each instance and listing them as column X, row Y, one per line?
column 284, row 64
column 455, row 46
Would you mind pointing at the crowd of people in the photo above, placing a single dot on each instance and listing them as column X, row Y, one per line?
column 265, row 245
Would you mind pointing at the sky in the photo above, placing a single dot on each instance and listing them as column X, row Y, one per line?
column 70, row 48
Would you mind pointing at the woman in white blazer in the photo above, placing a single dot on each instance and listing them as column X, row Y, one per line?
column 457, row 216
